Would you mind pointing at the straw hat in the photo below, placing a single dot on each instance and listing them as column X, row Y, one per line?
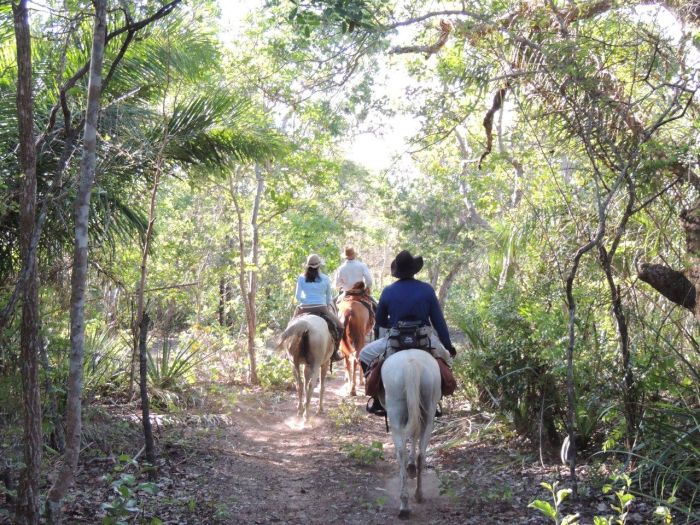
column 313, row 261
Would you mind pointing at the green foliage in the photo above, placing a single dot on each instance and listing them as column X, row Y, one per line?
column 106, row 364
column 128, row 491
column 364, row 454
column 553, row 512
column 275, row 372
column 345, row 414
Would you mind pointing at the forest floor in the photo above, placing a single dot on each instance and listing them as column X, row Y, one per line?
column 254, row 462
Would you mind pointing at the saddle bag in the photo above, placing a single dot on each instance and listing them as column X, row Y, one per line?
column 410, row 334
column 373, row 379
column 447, row 378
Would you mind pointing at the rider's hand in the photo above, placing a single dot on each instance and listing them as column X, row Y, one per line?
column 452, row 350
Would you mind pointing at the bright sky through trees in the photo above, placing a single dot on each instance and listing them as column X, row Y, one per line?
column 382, row 149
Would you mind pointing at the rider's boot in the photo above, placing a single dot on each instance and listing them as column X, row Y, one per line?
column 337, row 356
column 377, row 409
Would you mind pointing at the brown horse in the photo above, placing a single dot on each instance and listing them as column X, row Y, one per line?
column 357, row 323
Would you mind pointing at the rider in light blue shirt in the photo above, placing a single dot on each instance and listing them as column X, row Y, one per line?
column 316, row 292
column 313, row 292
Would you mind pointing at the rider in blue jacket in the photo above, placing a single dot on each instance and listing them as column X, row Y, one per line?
column 408, row 299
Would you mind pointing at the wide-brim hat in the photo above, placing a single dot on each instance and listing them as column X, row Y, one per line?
column 313, row 261
column 405, row 265
column 350, row 252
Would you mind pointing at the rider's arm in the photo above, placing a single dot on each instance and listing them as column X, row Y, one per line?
column 297, row 292
column 367, row 275
column 438, row 322
column 381, row 315
column 329, row 292
column 338, row 284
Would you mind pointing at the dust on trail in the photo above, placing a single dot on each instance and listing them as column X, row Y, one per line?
column 276, row 469
column 257, row 463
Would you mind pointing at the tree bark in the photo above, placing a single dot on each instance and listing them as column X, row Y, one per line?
column 683, row 287
column 248, row 283
column 28, row 492
column 143, row 388
column 141, row 292
column 66, row 474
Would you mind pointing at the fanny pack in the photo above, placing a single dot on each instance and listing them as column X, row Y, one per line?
column 410, row 334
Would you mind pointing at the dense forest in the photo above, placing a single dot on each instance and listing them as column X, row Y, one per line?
column 167, row 166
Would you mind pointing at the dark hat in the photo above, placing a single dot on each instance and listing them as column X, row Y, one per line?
column 405, row 265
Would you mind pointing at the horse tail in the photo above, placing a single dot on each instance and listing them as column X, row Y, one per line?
column 412, row 375
column 304, row 346
column 297, row 340
column 346, row 336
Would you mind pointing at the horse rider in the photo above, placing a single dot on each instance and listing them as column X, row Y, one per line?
column 313, row 292
column 408, row 299
column 351, row 272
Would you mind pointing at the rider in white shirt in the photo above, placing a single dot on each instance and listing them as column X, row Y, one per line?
column 351, row 272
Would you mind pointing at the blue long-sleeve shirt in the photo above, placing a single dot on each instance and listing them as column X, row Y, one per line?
column 411, row 299
column 316, row 292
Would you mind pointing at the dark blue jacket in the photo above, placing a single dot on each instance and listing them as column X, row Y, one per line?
column 411, row 299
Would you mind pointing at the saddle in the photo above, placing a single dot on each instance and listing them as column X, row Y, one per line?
column 359, row 293
column 374, row 385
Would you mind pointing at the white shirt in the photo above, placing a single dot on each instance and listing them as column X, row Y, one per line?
column 350, row 272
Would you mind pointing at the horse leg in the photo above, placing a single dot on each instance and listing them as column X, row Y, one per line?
column 300, row 390
column 420, row 460
column 324, row 371
column 400, row 446
column 350, row 374
column 412, row 460
column 309, row 380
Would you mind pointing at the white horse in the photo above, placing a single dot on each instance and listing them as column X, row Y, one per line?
column 308, row 342
column 412, row 391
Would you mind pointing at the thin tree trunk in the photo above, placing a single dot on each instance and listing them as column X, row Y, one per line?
column 222, row 302
column 143, row 387
column 140, row 293
column 629, row 396
column 447, row 283
column 253, row 274
column 28, row 493
column 243, row 282
column 66, row 474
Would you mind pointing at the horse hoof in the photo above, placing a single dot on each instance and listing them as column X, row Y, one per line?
column 419, row 498
column 353, row 393
column 411, row 470
column 404, row 514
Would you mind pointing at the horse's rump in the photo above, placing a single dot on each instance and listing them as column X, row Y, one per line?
column 297, row 337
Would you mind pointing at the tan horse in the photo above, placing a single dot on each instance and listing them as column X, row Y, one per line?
column 308, row 342
column 357, row 323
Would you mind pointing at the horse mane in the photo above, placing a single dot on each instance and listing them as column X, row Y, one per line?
column 357, row 287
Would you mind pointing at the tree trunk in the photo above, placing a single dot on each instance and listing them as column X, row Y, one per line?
column 28, row 493
column 447, row 283
column 248, row 285
column 143, row 388
column 222, row 301
column 66, row 474
column 680, row 287
column 140, row 293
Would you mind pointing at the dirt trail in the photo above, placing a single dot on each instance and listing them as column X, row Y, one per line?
column 275, row 469
column 256, row 463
